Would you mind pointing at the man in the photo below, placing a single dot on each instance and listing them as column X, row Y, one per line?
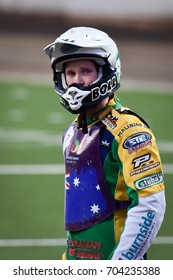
column 114, row 190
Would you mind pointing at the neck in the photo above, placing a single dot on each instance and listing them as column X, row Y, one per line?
column 96, row 108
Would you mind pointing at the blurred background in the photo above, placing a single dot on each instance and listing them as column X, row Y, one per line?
column 32, row 121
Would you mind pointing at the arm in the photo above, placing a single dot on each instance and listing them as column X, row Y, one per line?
column 142, row 224
column 141, row 169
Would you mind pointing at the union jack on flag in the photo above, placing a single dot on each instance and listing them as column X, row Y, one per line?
column 67, row 182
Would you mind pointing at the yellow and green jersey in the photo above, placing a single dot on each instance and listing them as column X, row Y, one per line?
column 114, row 186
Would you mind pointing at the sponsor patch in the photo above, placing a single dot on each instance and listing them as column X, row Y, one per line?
column 145, row 168
column 140, row 160
column 144, row 231
column 149, row 181
column 110, row 121
column 84, row 249
column 130, row 125
column 137, row 141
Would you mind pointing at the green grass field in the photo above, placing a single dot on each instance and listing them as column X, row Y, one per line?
column 31, row 125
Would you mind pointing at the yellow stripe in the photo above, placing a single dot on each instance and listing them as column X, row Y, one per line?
column 119, row 221
column 151, row 190
column 64, row 257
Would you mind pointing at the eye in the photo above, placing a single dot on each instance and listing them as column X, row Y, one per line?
column 70, row 73
column 86, row 71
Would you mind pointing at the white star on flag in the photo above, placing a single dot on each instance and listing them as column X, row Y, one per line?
column 76, row 182
column 105, row 143
column 95, row 208
column 97, row 187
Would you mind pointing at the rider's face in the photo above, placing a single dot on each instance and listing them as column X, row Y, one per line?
column 83, row 72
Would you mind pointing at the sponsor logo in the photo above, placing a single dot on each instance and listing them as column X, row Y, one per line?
column 85, row 254
column 110, row 120
column 149, row 181
column 145, row 168
column 75, row 146
column 145, row 229
column 71, row 159
column 130, row 125
column 138, row 161
column 84, row 244
column 104, row 88
column 137, row 141
column 84, row 249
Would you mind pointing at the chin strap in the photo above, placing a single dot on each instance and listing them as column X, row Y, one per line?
column 83, row 123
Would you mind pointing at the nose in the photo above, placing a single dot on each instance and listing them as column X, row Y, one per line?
column 78, row 79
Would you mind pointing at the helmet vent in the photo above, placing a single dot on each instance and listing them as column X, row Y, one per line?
column 68, row 48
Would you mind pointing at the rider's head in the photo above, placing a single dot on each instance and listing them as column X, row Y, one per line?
column 86, row 67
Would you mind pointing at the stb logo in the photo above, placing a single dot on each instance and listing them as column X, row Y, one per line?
column 137, row 141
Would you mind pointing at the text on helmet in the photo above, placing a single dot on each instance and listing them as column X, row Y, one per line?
column 105, row 88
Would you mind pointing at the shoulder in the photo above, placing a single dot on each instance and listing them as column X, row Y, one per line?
column 123, row 121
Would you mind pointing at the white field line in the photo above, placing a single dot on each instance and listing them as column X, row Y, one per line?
column 150, row 87
column 32, row 242
column 168, row 168
column 41, row 137
column 160, row 240
column 48, row 169
column 31, row 169
column 44, row 138
column 165, row 146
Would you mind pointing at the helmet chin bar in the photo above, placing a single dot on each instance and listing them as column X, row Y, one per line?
column 74, row 96
column 77, row 98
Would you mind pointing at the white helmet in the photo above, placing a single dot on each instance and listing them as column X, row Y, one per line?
column 85, row 43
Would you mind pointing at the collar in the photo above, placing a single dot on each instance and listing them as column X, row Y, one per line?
column 114, row 102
